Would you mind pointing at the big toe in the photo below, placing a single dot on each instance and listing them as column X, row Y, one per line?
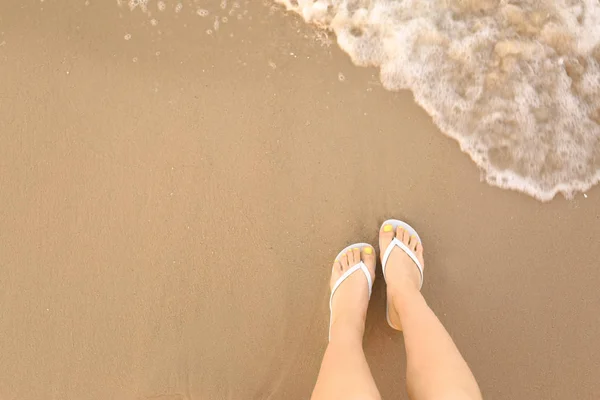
column 386, row 234
column 367, row 255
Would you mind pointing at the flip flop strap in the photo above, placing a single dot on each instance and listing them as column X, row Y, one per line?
column 361, row 265
column 395, row 242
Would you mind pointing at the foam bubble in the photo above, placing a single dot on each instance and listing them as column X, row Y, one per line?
column 517, row 85
column 133, row 4
column 202, row 12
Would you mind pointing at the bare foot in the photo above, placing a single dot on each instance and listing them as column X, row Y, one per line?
column 351, row 299
column 401, row 274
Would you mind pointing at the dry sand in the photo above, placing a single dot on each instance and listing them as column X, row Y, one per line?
column 167, row 226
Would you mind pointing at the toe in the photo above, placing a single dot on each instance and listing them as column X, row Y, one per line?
column 368, row 257
column 403, row 235
column 337, row 267
column 355, row 256
column 350, row 256
column 419, row 252
column 343, row 260
column 419, row 249
column 413, row 242
column 386, row 234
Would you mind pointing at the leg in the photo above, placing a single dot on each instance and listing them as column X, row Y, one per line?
column 344, row 371
column 435, row 368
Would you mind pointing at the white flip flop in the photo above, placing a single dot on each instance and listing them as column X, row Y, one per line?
column 359, row 266
column 397, row 243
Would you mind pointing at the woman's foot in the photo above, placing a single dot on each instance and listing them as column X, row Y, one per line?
column 401, row 274
column 351, row 299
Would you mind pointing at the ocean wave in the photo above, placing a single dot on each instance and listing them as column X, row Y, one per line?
column 517, row 84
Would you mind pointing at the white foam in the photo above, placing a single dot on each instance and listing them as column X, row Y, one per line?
column 516, row 84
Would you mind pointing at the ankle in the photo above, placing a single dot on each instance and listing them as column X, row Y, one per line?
column 346, row 334
column 347, row 328
column 402, row 293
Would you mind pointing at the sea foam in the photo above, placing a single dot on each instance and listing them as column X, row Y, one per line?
column 516, row 83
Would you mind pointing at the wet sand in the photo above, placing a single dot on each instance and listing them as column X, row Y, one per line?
column 167, row 226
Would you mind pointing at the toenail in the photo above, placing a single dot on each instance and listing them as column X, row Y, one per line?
column 387, row 228
column 368, row 250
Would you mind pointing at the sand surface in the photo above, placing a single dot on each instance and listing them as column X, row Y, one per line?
column 168, row 222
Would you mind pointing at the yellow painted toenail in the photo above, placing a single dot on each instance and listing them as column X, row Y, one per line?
column 388, row 228
column 356, row 248
column 368, row 250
